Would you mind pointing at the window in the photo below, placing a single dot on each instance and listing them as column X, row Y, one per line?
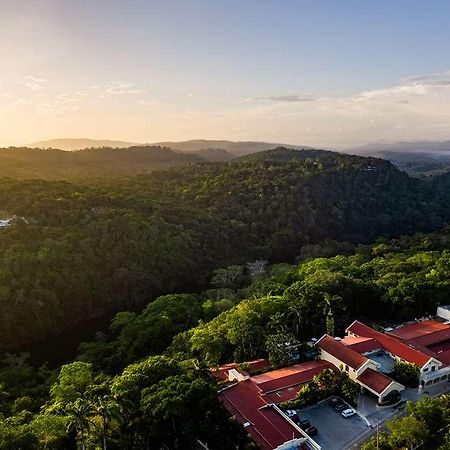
column 433, row 368
column 346, row 368
column 425, row 370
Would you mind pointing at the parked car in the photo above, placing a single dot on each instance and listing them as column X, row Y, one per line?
column 304, row 424
column 312, row 431
column 340, row 407
column 296, row 419
column 290, row 413
column 348, row 413
column 333, row 402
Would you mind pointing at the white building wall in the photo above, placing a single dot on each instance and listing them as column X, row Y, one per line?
column 443, row 312
column 339, row 364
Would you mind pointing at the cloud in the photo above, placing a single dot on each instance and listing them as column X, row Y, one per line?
column 34, row 83
column 436, row 79
column 147, row 104
column 290, row 98
column 118, row 88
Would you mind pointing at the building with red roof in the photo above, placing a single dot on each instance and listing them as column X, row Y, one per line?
column 361, row 344
column 424, row 343
column 252, row 401
column 360, row 368
column 364, row 354
column 377, row 383
column 222, row 372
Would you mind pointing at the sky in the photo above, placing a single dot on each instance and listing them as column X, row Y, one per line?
column 330, row 74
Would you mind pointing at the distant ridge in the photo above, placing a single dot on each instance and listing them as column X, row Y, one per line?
column 214, row 150
column 234, row 148
column 407, row 147
column 80, row 144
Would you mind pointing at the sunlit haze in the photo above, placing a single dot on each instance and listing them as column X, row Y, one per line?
column 327, row 74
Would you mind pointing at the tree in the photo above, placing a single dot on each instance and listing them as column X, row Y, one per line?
column 51, row 430
column 279, row 346
column 14, row 435
column 110, row 411
column 73, row 382
column 408, row 432
column 231, row 277
column 79, row 418
column 406, row 373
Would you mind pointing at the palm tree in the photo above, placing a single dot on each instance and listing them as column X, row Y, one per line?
column 109, row 410
column 79, row 413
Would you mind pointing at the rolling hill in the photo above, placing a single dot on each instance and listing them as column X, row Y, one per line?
column 167, row 230
column 235, row 148
column 89, row 163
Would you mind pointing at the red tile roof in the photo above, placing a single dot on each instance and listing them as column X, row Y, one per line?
column 432, row 339
column 444, row 356
column 361, row 344
column 248, row 401
column 374, row 380
column 418, row 329
column 276, row 380
column 221, row 372
column 391, row 344
column 341, row 352
column 267, row 427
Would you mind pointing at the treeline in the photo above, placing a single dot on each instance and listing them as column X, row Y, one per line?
column 112, row 245
column 86, row 165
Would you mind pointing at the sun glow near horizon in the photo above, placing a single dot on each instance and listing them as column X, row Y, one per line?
column 323, row 74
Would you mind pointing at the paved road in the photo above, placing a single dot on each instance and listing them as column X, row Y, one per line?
column 380, row 415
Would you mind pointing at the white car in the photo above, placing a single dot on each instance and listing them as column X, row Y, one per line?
column 291, row 413
column 348, row 412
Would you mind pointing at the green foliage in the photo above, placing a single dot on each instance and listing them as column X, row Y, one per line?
column 279, row 347
column 113, row 245
column 73, row 382
column 406, row 373
column 425, row 426
column 169, row 230
column 328, row 383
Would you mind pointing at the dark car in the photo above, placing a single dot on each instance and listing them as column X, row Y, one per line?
column 333, row 402
column 312, row 431
column 340, row 407
column 304, row 424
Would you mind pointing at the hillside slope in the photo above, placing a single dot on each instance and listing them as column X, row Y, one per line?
column 89, row 250
column 85, row 164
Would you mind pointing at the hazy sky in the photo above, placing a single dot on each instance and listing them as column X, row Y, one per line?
column 323, row 73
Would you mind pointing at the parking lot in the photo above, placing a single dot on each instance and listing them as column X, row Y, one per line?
column 335, row 431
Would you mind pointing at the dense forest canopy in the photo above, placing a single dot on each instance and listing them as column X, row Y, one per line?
column 145, row 383
column 168, row 230
column 89, row 164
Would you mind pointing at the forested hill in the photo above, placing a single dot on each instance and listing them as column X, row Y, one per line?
column 116, row 244
column 441, row 183
column 85, row 164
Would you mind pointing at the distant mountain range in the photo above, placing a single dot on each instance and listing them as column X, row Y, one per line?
column 233, row 148
column 79, row 144
column 416, row 158
column 404, row 147
column 213, row 146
